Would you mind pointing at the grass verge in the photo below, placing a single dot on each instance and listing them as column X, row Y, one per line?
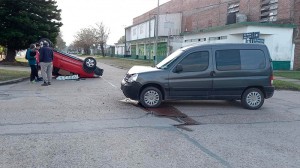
column 10, row 74
column 288, row 74
column 123, row 63
column 284, row 85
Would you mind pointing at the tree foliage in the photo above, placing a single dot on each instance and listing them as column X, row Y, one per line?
column 101, row 35
column 121, row 40
column 60, row 43
column 88, row 38
column 24, row 22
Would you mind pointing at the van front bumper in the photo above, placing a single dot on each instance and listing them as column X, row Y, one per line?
column 269, row 91
column 131, row 90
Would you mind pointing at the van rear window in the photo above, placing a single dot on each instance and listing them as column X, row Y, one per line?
column 228, row 60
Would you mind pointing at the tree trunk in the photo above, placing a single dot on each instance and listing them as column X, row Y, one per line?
column 102, row 50
column 11, row 55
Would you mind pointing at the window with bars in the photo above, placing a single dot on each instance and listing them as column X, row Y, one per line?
column 269, row 10
column 233, row 8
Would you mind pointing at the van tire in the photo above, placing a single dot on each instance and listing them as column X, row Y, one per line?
column 150, row 97
column 252, row 99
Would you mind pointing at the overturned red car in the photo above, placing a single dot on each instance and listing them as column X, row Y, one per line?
column 67, row 64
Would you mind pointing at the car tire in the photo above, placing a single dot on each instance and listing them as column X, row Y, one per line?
column 89, row 64
column 150, row 97
column 252, row 99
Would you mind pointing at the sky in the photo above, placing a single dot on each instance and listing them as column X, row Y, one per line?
column 115, row 14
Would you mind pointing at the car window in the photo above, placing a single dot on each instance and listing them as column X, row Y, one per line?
column 252, row 59
column 228, row 60
column 240, row 60
column 195, row 62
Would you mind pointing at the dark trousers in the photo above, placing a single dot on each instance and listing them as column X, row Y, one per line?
column 34, row 72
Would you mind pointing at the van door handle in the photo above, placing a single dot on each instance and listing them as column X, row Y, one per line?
column 212, row 73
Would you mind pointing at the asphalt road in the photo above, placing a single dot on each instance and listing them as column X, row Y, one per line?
column 89, row 123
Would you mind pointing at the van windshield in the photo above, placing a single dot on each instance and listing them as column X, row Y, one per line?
column 167, row 62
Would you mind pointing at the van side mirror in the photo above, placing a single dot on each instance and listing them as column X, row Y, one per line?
column 178, row 68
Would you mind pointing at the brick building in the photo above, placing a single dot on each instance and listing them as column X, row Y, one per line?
column 203, row 14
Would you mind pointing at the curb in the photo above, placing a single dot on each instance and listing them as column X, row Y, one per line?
column 13, row 81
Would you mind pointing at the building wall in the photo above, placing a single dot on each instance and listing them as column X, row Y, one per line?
column 278, row 40
column 296, row 34
column 203, row 14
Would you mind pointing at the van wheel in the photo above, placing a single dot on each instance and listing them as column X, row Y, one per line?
column 252, row 99
column 151, row 97
column 89, row 64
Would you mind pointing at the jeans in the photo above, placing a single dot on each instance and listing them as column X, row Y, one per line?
column 46, row 69
column 34, row 73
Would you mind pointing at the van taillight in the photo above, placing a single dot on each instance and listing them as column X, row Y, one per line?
column 271, row 79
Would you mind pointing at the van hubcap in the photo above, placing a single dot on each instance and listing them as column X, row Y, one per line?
column 90, row 63
column 151, row 97
column 253, row 99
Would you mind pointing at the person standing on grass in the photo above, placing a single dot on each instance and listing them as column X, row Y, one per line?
column 30, row 56
column 46, row 58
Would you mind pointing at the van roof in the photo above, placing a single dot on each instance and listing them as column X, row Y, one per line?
column 223, row 45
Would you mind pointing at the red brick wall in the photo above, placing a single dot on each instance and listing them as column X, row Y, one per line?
column 296, row 16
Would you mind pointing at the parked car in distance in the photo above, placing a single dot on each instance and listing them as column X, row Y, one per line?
column 205, row 72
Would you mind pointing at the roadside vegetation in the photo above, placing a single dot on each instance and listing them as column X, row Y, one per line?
column 288, row 74
column 284, row 85
column 10, row 74
column 122, row 62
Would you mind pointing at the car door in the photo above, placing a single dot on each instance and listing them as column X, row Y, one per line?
column 193, row 81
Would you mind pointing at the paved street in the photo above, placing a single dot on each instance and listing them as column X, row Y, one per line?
column 89, row 123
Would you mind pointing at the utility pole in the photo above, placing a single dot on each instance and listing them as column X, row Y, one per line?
column 156, row 32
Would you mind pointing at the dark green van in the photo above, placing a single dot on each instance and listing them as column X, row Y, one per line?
column 205, row 72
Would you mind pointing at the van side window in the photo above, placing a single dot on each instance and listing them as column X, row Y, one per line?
column 253, row 59
column 195, row 62
column 228, row 60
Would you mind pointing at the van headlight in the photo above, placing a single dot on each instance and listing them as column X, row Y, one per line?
column 132, row 78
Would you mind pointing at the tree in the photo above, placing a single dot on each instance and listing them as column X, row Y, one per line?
column 85, row 38
column 24, row 22
column 60, row 43
column 101, row 35
column 121, row 40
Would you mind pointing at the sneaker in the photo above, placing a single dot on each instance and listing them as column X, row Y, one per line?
column 33, row 81
column 49, row 83
column 40, row 79
column 44, row 84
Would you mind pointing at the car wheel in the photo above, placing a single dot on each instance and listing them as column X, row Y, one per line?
column 252, row 99
column 151, row 97
column 89, row 64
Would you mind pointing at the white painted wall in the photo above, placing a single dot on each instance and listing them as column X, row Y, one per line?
column 169, row 24
column 120, row 49
column 279, row 40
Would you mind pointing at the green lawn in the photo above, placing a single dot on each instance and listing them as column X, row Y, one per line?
column 9, row 74
column 288, row 74
column 123, row 63
column 283, row 85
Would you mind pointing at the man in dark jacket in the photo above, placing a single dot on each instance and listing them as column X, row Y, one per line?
column 46, row 58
